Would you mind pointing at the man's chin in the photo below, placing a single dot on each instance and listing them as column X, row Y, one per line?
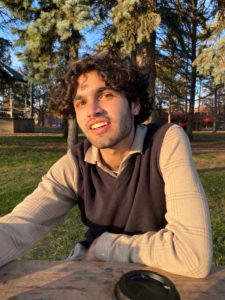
column 102, row 144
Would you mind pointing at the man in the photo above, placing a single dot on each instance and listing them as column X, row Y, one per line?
column 136, row 186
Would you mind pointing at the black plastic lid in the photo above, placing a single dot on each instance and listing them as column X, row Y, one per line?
column 144, row 285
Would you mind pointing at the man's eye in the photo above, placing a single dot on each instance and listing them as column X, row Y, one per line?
column 79, row 103
column 106, row 95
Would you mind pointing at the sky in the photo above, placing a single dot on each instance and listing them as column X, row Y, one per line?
column 6, row 34
column 92, row 37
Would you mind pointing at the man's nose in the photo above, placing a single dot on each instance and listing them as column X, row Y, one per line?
column 94, row 108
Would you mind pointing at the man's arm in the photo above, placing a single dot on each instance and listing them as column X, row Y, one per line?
column 184, row 246
column 37, row 214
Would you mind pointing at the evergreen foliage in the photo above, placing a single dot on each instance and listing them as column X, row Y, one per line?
column 50, row 34
column 163, row 36
column 6, row 19
column 211, row 59
column 134, row 21
column 5, row 47
column 184, row 26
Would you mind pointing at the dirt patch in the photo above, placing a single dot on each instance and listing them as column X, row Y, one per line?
column 202, row 164
column 209, row 156
column 212, row 149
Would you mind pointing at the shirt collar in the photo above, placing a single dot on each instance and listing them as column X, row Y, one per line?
column 92, row 155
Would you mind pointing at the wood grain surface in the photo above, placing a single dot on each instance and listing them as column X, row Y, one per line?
column 45, row 280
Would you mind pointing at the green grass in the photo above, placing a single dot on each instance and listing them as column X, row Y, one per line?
column 212, row 175
column 214, row 185
column 208, row 136
column 25, row 159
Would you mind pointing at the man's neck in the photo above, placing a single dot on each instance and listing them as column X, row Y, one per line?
column 112, row 157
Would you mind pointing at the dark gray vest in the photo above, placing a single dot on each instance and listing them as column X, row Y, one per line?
column 133, row 202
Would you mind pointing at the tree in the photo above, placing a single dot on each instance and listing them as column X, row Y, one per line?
column 171, row 85
column 5, row 44
column 211, row 57
column 177, row 40
column 50, row 35
column 5, row 47
column 135, row 23
column 184, row 25
column 41, row 96
column 6, row 19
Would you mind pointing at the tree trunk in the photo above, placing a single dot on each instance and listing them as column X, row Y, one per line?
column 72, row 138
column 146, row 60
column 215, row 111
column 31, row 101
column 41, row 118
column 193, row 75
column 151, row 65
column 133, row 56
column 169, row 112
column 192, row 104
column 152, row 79
column 64, row 127
column 11, row 100
column 199, row 104
column 186, row 108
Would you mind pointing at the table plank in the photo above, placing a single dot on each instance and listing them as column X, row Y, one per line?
column 46, row 280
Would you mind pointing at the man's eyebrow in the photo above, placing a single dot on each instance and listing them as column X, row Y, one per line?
column 78, row 97
column 98, row 91
column 104, row 88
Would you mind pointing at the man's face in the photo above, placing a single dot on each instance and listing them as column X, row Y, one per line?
column 103, row 114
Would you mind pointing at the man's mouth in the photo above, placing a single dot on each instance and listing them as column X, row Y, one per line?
column 98, row 125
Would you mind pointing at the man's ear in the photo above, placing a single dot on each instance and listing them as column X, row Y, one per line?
column 135, row 107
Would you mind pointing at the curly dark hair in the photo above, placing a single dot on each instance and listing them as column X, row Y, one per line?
column 118, row 73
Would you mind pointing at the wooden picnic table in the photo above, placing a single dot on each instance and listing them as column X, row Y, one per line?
column 46, row 280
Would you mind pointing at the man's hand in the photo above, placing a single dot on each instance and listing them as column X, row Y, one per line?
column 90, row 255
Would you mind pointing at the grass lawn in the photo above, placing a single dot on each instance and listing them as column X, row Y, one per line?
column 209, row 156
column 24, row 159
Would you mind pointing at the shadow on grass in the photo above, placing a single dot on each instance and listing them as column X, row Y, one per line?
column 206, row 137
column 33, row 143
column 217, row 169
column 60, row 149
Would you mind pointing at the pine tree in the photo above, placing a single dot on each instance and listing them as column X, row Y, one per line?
column 6, row 19
column 135, row 23
column 184, row 27
column 50, row 36
column 171, row 84
column 134, row 20
column 5, row 47
column 5, row 43
column 211, row 58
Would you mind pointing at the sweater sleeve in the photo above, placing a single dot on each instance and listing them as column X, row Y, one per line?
column 184, row 246
column 32, row 219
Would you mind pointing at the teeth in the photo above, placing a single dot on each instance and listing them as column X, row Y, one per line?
column 97, row 125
